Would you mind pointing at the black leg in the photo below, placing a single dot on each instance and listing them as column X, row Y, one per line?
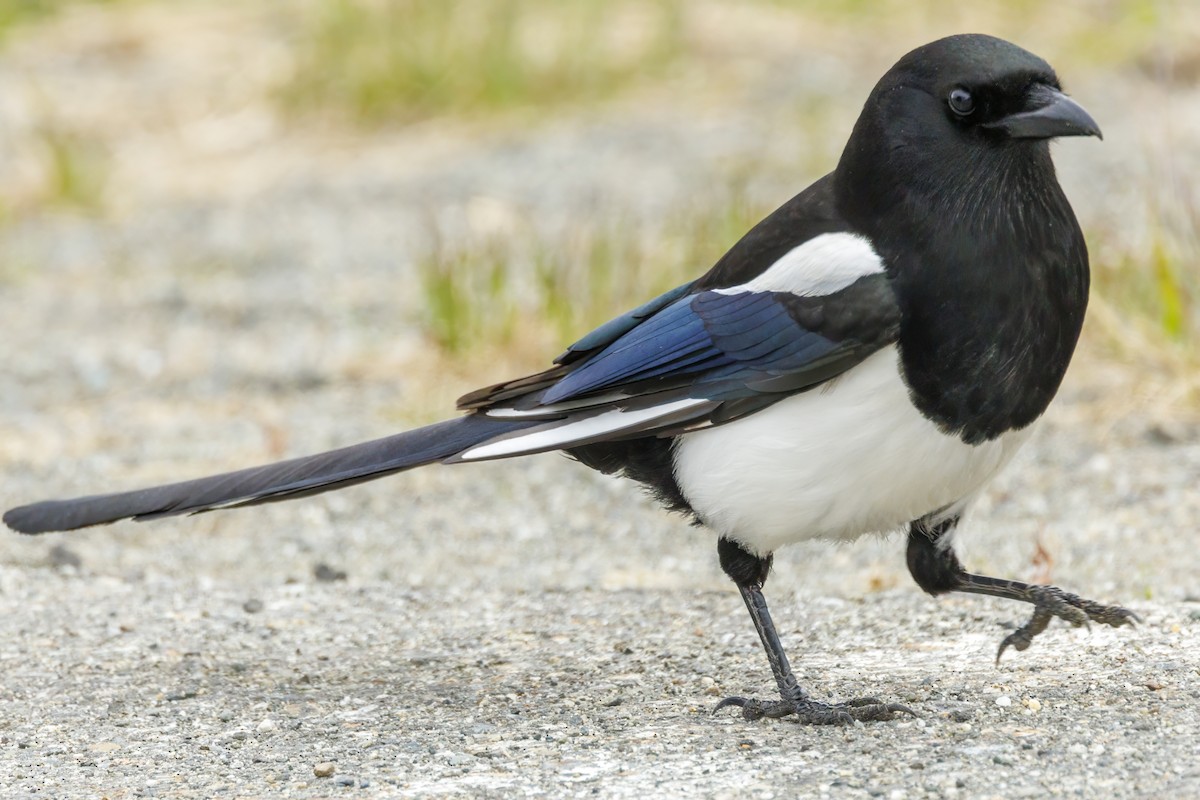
column 750, row 572
column 937, row 570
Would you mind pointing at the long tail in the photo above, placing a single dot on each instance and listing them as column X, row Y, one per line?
column 283, row 480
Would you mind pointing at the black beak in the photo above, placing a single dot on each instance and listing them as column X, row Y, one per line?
column 1050, row 113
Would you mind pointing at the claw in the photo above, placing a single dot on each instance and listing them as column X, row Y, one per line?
column 1050, row 602
column 740, row 702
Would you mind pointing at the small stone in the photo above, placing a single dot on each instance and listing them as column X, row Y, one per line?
column 104, row 747
column 61, row 556
column 183, row 693
column 962, row 715
column 266, row 726
column 252, row 606
column 325, row 769
column 1167, row 433
column 1004, row 701
column 327, row 574
column 1032, row 703
column 1078, row 750
column 1153, row 686
column 343, row 780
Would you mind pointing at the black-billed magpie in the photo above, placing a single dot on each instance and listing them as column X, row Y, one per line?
column 864, row 360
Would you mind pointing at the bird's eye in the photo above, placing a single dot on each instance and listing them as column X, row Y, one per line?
column 961, row 102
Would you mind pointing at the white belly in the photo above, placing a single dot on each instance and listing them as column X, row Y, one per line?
column 846, row 459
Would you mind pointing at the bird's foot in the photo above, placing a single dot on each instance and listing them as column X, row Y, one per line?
column 812, row 712
column 1049, row 602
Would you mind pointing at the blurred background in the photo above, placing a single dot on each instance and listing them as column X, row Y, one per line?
column 232, row 232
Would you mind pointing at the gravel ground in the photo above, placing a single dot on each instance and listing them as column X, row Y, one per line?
column 530, row 628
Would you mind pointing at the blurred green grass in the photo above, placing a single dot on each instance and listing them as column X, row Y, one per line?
column 14, row 13
column 381, row 60
column 77, row 168
column 1145, row 306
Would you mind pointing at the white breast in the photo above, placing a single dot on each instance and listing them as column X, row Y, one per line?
column 848, row 458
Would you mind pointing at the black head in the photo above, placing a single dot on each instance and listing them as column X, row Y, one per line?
column 984, row 87
column 961, row 106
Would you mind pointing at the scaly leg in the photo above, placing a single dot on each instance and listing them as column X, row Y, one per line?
column 750, row 572
column 937, row 570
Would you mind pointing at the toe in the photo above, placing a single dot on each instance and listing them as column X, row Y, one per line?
column 880, row 712
column 1115, row 616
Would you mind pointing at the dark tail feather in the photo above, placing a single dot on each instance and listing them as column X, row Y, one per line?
column 281, row 481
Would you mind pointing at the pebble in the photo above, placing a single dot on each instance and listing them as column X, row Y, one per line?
column 266, row 726
column 327, row 574
column 324, row 769
column 1004, row 701
column 252, row 606
column 61, row 556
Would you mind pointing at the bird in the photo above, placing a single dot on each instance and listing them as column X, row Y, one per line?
column 864, row 360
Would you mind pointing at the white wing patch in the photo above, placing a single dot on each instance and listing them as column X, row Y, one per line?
column 603, row 424
column 823, row 265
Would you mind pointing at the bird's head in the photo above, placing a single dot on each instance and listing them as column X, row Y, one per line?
column 958, row 112
column 983, row 89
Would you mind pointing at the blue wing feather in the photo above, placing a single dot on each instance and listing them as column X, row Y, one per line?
column 714, row 339
column 615, row 328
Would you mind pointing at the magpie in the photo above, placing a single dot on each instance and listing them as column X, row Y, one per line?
column 864, row 360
